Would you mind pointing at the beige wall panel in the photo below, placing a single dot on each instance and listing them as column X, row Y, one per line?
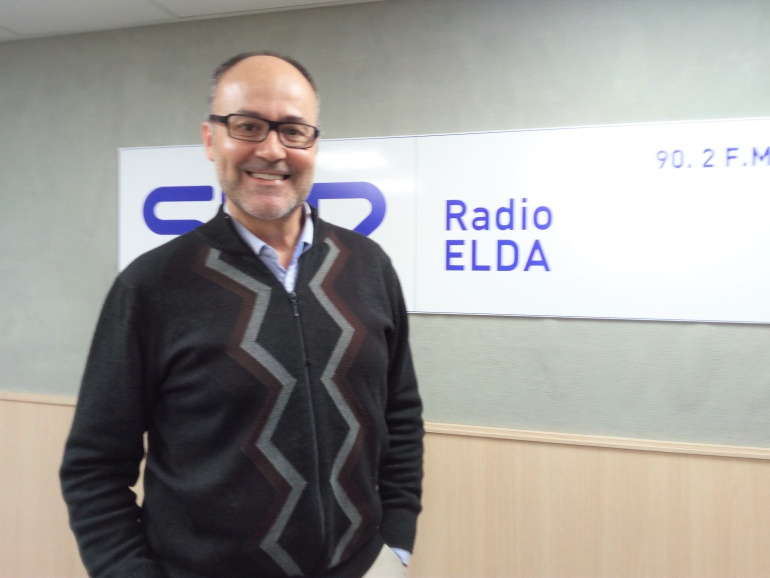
column 35, row 540
column 493, row 508
column 497, row 508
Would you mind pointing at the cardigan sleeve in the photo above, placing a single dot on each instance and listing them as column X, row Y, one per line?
column 400, row 484
column 105, row 446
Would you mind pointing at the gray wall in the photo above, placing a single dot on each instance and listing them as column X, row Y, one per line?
column 397, row 67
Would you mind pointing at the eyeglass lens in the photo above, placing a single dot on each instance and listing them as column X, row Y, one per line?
column 254, row 129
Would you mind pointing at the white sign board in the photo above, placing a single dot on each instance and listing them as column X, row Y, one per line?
column 655, row 221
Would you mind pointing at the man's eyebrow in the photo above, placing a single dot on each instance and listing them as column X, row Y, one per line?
column 287, row 118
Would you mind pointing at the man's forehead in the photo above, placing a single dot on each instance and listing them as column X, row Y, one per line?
column 264, row 69
column 265, row 76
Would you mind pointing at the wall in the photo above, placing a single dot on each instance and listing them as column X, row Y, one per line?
column 389, row 68
column 420, row 67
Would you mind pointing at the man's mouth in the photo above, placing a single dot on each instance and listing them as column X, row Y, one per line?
column 267, row 176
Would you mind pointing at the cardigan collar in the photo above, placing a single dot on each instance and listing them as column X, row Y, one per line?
column 220, row 233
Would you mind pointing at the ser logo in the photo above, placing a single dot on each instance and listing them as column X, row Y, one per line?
column 320, row 191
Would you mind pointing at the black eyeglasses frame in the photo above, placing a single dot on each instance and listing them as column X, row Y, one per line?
column 271, row 125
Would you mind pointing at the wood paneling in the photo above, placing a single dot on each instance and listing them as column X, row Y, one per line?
column 35, row 540
column 494, row 507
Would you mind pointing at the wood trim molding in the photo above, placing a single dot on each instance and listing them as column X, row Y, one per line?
column 508, row 434
column 38, row 398
column 600, row 441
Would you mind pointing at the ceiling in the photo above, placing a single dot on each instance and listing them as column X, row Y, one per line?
column 21, row 19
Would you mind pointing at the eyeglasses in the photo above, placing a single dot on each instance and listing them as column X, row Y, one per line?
column 295, row 135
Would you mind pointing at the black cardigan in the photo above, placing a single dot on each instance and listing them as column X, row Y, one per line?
column 284, row 430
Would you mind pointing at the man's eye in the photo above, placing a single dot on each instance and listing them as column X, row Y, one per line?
column 297, row 132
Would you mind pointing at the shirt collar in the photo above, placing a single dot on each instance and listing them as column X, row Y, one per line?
column 257, row 245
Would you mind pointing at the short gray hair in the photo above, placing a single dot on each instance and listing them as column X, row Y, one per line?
column 231, row 62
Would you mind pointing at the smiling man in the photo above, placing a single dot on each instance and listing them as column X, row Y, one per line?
column 265, row 356
column 267, row 182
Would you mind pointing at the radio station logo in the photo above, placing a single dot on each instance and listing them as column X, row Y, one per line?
column 199, row 194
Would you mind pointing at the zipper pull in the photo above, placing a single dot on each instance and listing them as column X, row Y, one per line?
column 294, row 304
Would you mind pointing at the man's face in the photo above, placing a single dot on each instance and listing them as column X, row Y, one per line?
column 263, row 181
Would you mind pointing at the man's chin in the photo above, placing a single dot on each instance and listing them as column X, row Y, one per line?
column 268, row 212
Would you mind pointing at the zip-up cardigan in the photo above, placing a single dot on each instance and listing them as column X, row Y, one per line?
column 284, row 430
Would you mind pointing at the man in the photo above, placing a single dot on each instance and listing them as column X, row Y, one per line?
column 265, row 355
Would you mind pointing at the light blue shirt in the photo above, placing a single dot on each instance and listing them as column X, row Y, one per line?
column 269, row 256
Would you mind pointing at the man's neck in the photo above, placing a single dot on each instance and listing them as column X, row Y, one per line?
column 281, row 234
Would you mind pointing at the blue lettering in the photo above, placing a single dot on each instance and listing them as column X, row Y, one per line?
column 532, row 262
column 505, row 212
column 453, row 255
column 173, row 195
column 538, row 224
column 474, row 265
column 761, row 157
column 503, row 217
column 353, row 190
column 501, row 264
column 450, row 215
column 481, row 223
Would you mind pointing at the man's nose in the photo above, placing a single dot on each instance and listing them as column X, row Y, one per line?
column 271, row 148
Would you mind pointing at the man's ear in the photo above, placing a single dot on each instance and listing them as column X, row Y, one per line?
column 207, row 131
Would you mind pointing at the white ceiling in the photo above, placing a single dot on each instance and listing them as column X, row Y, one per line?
column 35, row 18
